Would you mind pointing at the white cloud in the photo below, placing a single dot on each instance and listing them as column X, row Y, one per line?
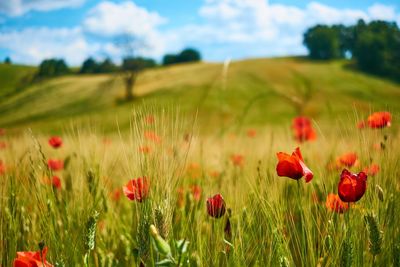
column 20, row 7
column 225, row 28
column 382, row 12
column 254, row 24
column 111, row 20
column 31, row 45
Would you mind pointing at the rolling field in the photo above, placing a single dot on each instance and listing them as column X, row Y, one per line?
column 254, row 93
column 129, row 183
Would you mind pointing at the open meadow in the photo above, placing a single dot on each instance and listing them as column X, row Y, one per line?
column 198, row 169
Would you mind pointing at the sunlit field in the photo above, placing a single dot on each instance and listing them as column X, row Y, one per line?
column 145, row 196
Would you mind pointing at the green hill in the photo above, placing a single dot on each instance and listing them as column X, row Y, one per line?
column 252, row 93
column 13, row 78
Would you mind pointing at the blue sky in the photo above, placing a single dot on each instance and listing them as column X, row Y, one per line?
column 32, row 30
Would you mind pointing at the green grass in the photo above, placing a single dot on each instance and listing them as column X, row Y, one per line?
column 201, row 117
column 274, row 220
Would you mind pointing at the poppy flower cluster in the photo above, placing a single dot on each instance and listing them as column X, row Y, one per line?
column 32, row 259
column 152, row 136
column 137, row 189
column 55, row 142
column 293, row 166
column 352, row 186
column 372, row 169
column 216, row 207
column 303, row 130
column 377, row 120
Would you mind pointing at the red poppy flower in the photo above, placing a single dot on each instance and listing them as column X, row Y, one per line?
column 2, row 168
column 116, row 194
column 361, row 125
column 137, row 189
column 216, row 206
column 371, row 170
column 145, row 149
column 293, row 166
column 379, row 119
column 251, row 133
column 215, row 174
column 55, row 142
column 303, row 130
column 149, row 119
column 334, row 203
column 31, row 259
column 152, row 136
column 3, row 145
column 56, row 182
column 55, row 164
column 196, row 192
column 352, row 186
column 237, row 160
column 347, row 160
column 2, row 131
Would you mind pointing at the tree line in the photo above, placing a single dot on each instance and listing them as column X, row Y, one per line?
column 56, row 67
column 374, row 46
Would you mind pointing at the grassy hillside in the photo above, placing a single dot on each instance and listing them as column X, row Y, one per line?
column 13, row 78
column 253, row 92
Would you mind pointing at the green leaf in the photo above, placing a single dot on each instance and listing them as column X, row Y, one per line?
column 182, row 245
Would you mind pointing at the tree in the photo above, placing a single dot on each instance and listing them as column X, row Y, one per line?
column 7, row 60
column 107, row 66
column 187, row 55
column 377, row 48
column 52, row 67
column 169, row 59
column 323, row 42
column 132, row 66
column 89, row 66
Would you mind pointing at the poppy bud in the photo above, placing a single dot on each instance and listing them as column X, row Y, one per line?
column 161, row 245
column 379, row 192
column 216, row 206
